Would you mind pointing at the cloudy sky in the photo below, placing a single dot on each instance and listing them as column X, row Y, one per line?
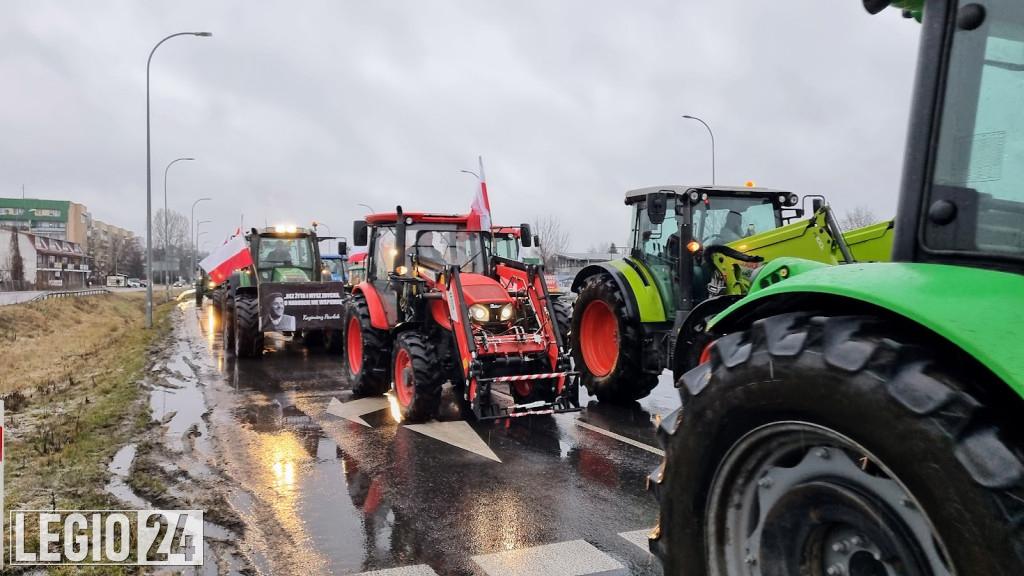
column 301, row 111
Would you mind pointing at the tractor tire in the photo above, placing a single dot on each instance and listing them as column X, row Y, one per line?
column 366, row 351
column 836, row 445
column 248, row 336
column 227, row 323
column 416, row 373
column 218, row 301
column 563, row 319
column 607, row 346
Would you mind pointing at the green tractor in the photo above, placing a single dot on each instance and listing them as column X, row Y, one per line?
column 695, row 251
column 865, row 419
column 286, row 290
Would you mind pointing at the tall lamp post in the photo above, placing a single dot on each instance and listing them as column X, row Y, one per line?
column 167, row 240
column 368, row 207
column 198, row 233
column 149, row 185
column 712, row 144
column 192, row 234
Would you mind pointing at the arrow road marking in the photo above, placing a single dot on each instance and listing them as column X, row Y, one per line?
column 356, row 408
column 417, row 570
column 574, row 558
column 638, row 537
column 458, row 434
column 629, row 441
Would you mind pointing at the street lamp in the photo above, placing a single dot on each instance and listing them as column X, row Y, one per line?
column 198, row 233
column 167, row 284
column 712, row 144
column 149, row 185
column 470, row 172
column 192, row 234
column 368, row 207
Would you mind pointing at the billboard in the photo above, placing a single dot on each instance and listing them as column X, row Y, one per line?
column 288, row 307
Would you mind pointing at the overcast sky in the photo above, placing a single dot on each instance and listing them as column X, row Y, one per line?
column 300, row 111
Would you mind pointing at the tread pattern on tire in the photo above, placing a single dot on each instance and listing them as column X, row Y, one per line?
column 427, row 384
column 563, row 319
column 627, row 382
column 248, row 337
column 910, row 377
column 372, row 380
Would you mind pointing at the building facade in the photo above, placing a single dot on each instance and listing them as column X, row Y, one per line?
column 58, row 219
column 47, row 263
column 109, row 248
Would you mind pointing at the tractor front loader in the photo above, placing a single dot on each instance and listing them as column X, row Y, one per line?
column 696, row 250
column 866, row 419
column 436, row 306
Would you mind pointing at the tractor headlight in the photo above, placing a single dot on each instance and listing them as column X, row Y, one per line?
column 506, row 312
column 479, row 313
column 212, row 285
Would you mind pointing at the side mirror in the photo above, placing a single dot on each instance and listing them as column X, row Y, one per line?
column 524, row 235
column 359, row 230
column 657, row 204
column 816, row 204
column 536, row 241
column 342, row 247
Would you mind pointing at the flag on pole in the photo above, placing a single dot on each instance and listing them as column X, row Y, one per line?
column 227, row 258
column 480, row 212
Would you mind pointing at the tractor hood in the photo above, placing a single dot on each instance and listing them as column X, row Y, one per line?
column 290, row 275
column 480, row 289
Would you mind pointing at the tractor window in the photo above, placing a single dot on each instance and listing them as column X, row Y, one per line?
column 724, row 220
column 284, row 253
column 980, row 164
column 383, row 253
column 460, row 247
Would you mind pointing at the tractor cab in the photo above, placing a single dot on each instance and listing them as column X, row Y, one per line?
column 508, row 241
column 285, row 254
column 673, row 225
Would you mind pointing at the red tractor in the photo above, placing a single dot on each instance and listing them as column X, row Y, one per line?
column 437, row 305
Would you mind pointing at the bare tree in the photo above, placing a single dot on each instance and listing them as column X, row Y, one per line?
column 174, row 234
column 602, row 248
column 554, row 240
column 857, row 218
column 17, row 262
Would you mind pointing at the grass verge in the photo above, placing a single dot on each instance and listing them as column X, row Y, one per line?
column 70, row 383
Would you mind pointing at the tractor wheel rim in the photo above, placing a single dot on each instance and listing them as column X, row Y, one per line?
column 355, row 347
column 403, row 386
column 599, row 338
column 805, row 470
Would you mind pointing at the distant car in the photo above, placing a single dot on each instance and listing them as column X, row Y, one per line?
column 144, row 283
column 178, row 283
column 134, row 283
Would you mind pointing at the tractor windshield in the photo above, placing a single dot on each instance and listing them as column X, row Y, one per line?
column 463, row 248
column 279, row 252
column 506, row 245
column 980, row 164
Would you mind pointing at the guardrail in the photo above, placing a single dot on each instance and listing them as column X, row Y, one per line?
column 69, row 294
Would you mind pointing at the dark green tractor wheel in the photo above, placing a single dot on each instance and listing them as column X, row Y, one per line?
column 836, row 445
column 607, row 345
column 248, row 336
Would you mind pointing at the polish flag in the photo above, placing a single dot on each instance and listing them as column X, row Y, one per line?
column 480, row 213
column 227, row 258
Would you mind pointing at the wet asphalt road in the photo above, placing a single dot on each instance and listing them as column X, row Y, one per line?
column 329, row 494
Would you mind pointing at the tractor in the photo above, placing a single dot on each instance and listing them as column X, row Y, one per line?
column 695, row 250
column 436, row 305
column 284, row 290
column 865, row 418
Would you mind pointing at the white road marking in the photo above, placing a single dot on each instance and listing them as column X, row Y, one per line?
column 458, row 434
column 574, row 558
column 638, row 537
column 629, row 441
column 417, row 570
column 356, row 408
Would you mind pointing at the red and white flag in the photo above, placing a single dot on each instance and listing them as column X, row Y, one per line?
column 227, row 258
column 480, row 212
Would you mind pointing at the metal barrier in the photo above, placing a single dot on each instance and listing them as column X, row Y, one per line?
column 70, row 293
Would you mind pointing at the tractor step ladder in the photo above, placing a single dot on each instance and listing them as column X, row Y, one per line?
column 560, row 405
